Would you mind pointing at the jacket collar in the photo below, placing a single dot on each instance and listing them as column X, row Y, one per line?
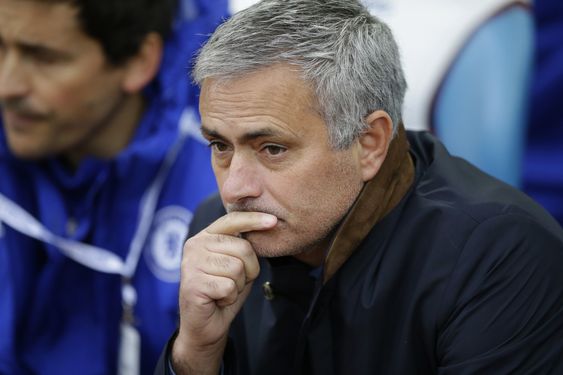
column 377, row 198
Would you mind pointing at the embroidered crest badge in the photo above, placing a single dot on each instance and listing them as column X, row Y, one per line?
column 163, row 254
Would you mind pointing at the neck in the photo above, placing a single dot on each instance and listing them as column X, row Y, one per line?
column 377, row 199
column 316, row 254
column 314, row 257
column 112, row 135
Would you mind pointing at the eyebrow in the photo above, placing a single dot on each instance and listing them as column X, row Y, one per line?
column 247, row 137
column 38, row 49
column 43, row 50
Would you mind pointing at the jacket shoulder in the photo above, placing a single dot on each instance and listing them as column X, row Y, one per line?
column 460, row 191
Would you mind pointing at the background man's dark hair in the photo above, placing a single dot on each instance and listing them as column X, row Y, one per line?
column 121, row 25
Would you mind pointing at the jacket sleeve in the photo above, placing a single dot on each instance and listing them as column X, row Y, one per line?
column 164, row 365
column 502, row 312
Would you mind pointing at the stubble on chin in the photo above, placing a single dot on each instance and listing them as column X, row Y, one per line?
column 287, row 238
column 282, row 241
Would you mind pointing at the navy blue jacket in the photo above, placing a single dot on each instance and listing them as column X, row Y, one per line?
column 464, row 276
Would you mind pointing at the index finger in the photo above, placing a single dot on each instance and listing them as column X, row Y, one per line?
column 235, row 223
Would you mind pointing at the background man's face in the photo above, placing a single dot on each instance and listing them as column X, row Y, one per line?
column 56, row 89
column 271, row 153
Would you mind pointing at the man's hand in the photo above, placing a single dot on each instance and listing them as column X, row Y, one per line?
column 218, row 268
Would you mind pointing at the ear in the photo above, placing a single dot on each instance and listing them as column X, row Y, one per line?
column 374, row 143
column 143, row 67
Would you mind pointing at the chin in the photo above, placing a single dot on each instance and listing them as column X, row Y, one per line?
column 23, row 146
column 26, row 153
column 270, row 244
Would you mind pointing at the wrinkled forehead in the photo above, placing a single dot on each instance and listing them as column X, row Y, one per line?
column 273, row 102
column 280, row 86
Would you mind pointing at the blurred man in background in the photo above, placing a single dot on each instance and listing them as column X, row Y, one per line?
column 101, row 165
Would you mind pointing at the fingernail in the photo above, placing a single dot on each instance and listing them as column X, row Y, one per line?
column 269, row 219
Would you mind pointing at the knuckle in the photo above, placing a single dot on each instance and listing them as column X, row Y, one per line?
column 224, row 239
column 231, row 286
column 192, row 244
column 191, row 286
column 247, row 250
column 211, row 285
column 252, row 276
column 224, row 221
column 223, row 287
column 253, row 272
column 237, row 268
column 219, row 261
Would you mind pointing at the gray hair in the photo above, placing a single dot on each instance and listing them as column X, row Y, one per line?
column 347, row 55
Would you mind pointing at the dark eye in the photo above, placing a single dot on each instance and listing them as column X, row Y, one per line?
column 217, row 146
column 274, row 150
column 44, row 55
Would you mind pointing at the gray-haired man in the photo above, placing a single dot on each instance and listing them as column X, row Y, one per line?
column 339, row 243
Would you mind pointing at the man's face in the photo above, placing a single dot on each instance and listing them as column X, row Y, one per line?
column 56, row 89
column 271, row 153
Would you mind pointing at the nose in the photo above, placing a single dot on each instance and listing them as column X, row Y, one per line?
column 13, row 81
column 241, row 179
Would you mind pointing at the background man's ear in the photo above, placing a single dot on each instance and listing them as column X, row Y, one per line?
column 374, row 143
column 143, row 67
